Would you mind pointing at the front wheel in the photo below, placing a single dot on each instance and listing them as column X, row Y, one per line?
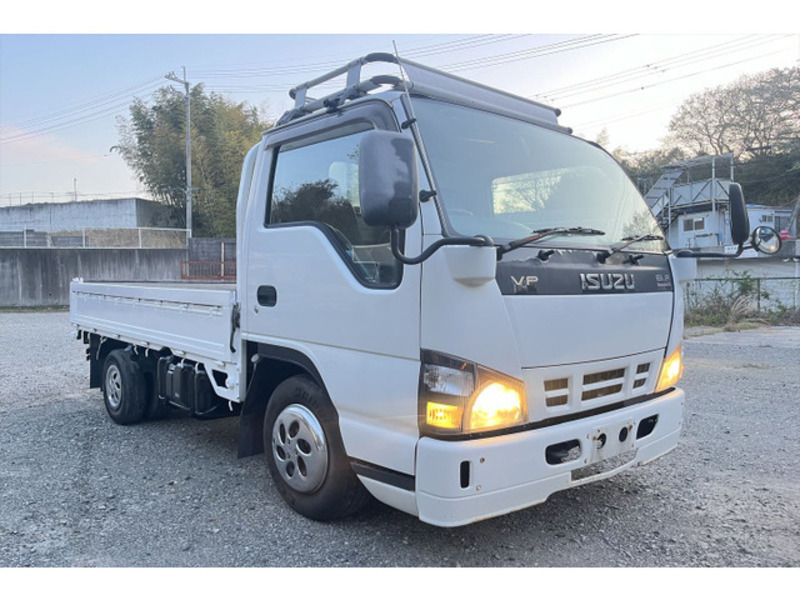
column 306, row 455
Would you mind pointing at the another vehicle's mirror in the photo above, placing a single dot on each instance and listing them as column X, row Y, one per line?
column 766, row 240
column 387, row 178
column 740, row 222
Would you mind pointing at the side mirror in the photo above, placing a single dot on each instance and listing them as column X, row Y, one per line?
column 766, row 240
column 740, row 222
column 387, row 180
column 763, row 239
column 387, row 184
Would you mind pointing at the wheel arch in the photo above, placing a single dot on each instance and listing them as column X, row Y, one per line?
column 270, row 365
column 99, row 347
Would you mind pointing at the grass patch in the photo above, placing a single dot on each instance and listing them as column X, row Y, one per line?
column 33, row 309
column 736, row 302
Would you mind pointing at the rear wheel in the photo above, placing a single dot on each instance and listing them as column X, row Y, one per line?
column 123, row 388
column 306, row 455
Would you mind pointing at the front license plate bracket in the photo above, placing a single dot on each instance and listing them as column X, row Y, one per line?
column 608, row 442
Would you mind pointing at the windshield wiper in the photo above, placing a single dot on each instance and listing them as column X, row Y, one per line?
column 627, row 241
column 543, row 233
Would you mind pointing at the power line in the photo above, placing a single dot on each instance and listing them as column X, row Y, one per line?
column 623, row 117
column 104, row 106
column 536, row 51
column 421, row 52
column 67, row 121
column 658, row 67
column 621, row 76
column 87, row 105
column 235, row 71
column 674, row 79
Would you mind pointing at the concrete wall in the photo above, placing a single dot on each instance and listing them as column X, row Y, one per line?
column 755, row 267
column 73, row 216
column 40, row 277
column 211, row 249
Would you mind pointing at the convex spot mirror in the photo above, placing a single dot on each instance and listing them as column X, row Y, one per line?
column 766, row 240
column 387, row 179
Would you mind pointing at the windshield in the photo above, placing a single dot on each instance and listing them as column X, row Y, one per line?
column 506, row 178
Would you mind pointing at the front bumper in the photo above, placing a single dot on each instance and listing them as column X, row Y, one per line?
column 459, row 482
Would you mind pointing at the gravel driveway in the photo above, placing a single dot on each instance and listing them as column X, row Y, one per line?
column 78, row 490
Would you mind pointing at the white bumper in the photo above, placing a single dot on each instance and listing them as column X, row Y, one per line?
column 466, row 481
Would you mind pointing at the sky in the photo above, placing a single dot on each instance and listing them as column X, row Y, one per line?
column 65, row 80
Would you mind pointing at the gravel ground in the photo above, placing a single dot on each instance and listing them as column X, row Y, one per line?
column 78, row 490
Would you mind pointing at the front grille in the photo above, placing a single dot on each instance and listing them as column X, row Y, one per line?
column 574, row 388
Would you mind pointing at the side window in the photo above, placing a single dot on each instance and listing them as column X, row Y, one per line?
column 317, row 180
column 694, row 224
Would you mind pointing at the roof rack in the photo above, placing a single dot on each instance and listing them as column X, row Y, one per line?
column 423, row 80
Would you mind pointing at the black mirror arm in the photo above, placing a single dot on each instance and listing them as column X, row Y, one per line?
column 479, row 240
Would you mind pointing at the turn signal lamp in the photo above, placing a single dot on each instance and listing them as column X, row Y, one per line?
column 444, row 416
column 458, row 397
column 671, row 370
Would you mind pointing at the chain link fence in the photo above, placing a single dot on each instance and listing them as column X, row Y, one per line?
column 722, row 300
column 139, row 237
column 208, row 270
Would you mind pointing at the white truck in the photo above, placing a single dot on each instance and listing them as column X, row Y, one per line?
column 444, row 300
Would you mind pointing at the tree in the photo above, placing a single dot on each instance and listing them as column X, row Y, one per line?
column 153, row 144
column 757, row 115
column 644, row 168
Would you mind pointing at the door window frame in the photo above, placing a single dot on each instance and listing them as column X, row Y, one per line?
column 374, row 114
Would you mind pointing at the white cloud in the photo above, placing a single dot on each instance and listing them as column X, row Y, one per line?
column 20, row 147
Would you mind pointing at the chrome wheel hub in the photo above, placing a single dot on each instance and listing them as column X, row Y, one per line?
column 114, row 386
column 299, row 449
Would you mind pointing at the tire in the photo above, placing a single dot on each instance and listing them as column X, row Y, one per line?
column 306, row 455
column 124, row 388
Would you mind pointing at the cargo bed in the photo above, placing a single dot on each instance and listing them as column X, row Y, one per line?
column 194, row 321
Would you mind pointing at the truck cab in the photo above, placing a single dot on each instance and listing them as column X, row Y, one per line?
column 485, row 377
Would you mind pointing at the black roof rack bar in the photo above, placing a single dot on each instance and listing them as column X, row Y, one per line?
column 418, row 77
column 332, row 101
column 353, row 70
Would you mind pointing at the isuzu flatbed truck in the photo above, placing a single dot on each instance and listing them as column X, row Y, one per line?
column 444, row 300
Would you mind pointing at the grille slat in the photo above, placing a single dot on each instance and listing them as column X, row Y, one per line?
column 603, row 384
column 556, row 384
column 556, row 400
column 603, row 376
column 601, row 392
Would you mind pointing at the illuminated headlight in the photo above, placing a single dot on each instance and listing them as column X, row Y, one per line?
column 458, row 397
column 671, row 370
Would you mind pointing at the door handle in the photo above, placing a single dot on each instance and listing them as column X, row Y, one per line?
column 267, row 295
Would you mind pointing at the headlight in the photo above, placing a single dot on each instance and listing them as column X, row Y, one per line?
column 671, row 370
column 457, row 396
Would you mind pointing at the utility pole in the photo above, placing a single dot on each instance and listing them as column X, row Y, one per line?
column 793, row 228
column 172, row 77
